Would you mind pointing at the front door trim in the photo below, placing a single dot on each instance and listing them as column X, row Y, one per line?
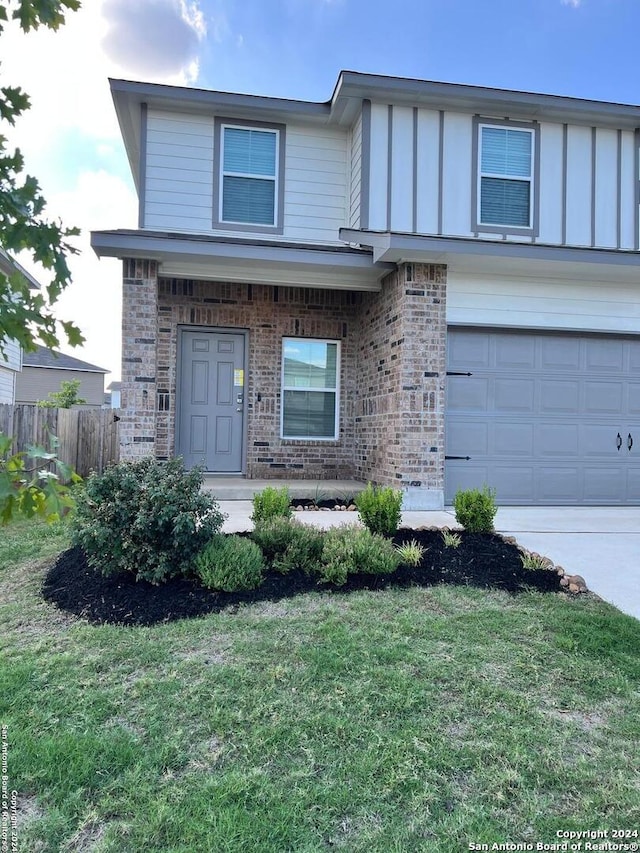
column 229, row 330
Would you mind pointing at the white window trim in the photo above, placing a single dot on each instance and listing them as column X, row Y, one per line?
column 274, row 179
column 335, row 391
column 507, row 227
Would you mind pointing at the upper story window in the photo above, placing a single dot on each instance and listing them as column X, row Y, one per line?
column 506, row 178
column 250, row 178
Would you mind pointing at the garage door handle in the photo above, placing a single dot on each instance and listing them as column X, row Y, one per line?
column 466, row 458
column 629, row 442
column 619, row 441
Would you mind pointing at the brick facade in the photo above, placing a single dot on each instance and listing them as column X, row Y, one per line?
column 391, row 383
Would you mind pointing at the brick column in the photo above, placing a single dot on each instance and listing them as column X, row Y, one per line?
column 139, row 335
column 401, row 384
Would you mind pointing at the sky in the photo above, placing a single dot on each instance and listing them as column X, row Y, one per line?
column 283, row 48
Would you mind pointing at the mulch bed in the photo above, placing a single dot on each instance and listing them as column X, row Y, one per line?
column 483, row 560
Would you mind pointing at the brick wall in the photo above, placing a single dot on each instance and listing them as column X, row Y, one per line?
column 269, row 313
column 139, row 338
column 401, row 370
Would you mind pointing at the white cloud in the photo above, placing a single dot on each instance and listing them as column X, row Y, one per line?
column 573, row 3
column 154, row 36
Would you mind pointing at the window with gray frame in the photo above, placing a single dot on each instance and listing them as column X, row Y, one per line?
column 505, row 174
column 310, row 379
column 249, row 176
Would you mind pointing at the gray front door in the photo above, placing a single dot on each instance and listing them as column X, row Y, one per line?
column 544, row 418
column 211, row 400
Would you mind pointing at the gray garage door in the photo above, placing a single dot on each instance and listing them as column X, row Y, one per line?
column 544, row 418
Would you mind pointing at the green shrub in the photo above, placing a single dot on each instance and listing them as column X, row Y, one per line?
column 230, row 563
column 274, row 535
column 271, row 503
column 475, row 509
column 353, row 550
column 145, row 517
column 410, row 553
column 303, row 552
column 380, row 509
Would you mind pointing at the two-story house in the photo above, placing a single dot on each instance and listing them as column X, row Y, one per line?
column 11, row 353
column 426, row 285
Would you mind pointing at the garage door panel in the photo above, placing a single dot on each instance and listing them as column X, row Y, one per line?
column 633, row 484
column 633, row 399
column 514, row 395
column 604, row 483
column 470, row 394
column 559, row 397
column 603, row 397
column 604, row 354
column 600, row 440
column 556, row 440
column 465, row 438
column 559, row 484
column 515, row 352
column 468, row 350
column 513, row 439
column 558, row 353
column 553, row 404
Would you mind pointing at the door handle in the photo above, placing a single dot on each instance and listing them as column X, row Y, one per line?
column 629, row 442
column 619, row 441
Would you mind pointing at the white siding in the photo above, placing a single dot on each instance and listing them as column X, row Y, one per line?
column 551, row 182
column 402, row 177
column 315, row 191
column 7, row 384
column 606, row 188
column 579, row 186
column 428, row 171
column 525, row 302
column 179, row 172
column 12, row 358
column 355, row 184
column 179, row 178
column 457, row 175
column 379, row 167
column 627, row 211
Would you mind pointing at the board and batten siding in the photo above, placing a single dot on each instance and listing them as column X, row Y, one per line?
column 421, row 175
column 178, row 188
column 531, row 303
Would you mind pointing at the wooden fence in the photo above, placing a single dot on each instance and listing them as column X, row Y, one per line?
column 88, row 439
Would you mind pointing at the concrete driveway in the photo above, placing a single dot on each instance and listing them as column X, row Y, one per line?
column 600, row 543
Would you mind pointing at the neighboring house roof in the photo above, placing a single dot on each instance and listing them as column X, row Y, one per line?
column 116, row 385
column 48, row 358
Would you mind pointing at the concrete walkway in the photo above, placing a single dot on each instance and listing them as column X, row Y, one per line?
column 600, row 543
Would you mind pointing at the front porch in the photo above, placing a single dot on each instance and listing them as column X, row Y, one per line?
column 238, row 488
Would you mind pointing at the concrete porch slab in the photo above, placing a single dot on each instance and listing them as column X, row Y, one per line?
column 237, row 488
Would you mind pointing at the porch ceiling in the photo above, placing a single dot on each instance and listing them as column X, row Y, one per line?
column 250, row 261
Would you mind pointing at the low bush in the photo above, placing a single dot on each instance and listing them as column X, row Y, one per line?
column 353, row 550
column 230, row 564
column 303, row 553
column 144, row 517
column 380, row 509
column 274, row 536
column 475, row 509
column 271, row 503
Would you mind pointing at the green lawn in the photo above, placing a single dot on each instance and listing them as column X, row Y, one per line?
column 403, row 720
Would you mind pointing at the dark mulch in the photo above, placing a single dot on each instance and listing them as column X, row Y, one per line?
column 483, row 560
